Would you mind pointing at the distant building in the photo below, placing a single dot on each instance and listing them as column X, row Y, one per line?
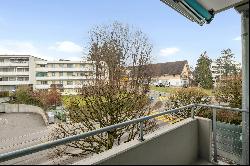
column 217, row 72
column 176, row 74
column 68, row 76
column 17, row 70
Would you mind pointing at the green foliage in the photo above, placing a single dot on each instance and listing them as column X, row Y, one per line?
column 4, row 94
column 43, row 99
column 225, row 63
column 229, row 90
column 24, row 95
column 186, row 96
column 203, row 74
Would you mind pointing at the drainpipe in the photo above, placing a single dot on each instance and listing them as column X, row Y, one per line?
column 244, row 11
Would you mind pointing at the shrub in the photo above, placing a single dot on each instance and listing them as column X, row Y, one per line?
column 4, row 94
column 24, row 95
column 229, row 90
column 187, row 96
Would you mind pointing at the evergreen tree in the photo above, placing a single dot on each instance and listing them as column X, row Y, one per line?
column 203, row 74
column 225, row 63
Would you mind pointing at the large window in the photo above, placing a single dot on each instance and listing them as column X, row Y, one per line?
column 70, row 65
column 69, row 73
column 69, row 82
column 44, row 82
column 12, row 78
column 41, row 74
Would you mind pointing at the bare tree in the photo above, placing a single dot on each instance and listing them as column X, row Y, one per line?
column 122, row 58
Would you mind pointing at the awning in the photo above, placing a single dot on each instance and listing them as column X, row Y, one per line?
column 202, row 11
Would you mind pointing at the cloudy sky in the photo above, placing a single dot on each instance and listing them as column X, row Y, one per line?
column 54, row 29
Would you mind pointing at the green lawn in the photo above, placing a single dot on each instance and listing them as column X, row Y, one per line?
column 162, row 89
column 173, row 89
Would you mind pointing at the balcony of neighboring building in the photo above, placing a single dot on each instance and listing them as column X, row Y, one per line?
column 14, row 71
column 56, row 76
column 8, row 80
column 9, row 63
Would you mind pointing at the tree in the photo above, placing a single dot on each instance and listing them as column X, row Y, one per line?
column 225, row 63
column 24, row 95
column 118, row 52
column 48, row 99
column 229, row 90
column 202, row 73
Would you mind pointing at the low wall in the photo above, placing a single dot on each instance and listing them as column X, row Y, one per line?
column 11, row 108
column 177, row 144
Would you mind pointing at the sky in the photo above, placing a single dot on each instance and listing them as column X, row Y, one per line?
column 58, row 29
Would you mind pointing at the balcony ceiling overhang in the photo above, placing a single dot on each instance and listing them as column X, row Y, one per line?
column 202, row 11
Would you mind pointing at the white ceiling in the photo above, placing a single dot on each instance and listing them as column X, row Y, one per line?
column 219, row 5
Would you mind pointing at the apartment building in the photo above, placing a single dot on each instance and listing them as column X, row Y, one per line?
column 217, row 72
column 68, row 76
column 17, row 70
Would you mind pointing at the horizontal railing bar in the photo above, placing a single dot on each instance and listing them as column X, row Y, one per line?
column 221, row 107
column 48, row 145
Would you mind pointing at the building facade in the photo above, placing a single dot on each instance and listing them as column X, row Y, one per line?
column 175, row 74
column 17, row 70
column 68, row 76
column 217, row 72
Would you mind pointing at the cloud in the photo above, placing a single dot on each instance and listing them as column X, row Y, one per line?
column 169, row 51
column 66, row 46
column 10, row 47
column 237, row 38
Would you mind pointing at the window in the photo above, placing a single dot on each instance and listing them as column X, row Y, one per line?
column 61, row 65
column 53, row 74
column 61, row 74
column 61, row 82
column 69, row 82
column 41, row 74
column 1, row 60
column 42, row 66
column 70, row 74
column 70, row 65
column 44, row 82
column 53, row 65
column 12, row 79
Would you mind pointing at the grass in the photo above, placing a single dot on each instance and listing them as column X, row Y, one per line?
column 165, row 90
column 171, row 90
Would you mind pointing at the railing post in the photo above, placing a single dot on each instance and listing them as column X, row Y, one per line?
column 214, row 135
column 141, row 132
column 192, row 112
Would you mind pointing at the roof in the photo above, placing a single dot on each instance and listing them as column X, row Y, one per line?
column 169, row 68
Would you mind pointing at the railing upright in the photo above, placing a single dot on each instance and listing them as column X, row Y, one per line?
column 214, row 135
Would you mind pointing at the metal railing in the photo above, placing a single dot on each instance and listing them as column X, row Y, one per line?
column 49, row 145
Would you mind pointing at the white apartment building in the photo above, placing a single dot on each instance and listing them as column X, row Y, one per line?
column 68, row 76
column 216, row 72
column 16, row 70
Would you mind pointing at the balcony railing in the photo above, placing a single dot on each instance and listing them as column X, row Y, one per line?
column 63, row 141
